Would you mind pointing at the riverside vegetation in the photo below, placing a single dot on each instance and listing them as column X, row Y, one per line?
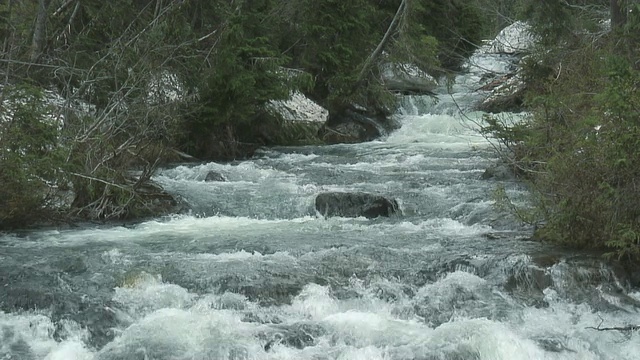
column 580, row 148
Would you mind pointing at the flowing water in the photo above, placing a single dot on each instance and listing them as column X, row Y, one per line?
column 255, row 273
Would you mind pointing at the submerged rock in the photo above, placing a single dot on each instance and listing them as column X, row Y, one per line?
column 355, row 205
column 214, row 176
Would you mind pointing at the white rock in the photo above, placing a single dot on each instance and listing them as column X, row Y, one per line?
column 407, row 77
column 515, row 38
column 300, row 108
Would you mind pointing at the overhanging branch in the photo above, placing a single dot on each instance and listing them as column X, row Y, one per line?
column 393, row 27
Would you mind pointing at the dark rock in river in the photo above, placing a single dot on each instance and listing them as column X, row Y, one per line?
column 355, row 205
column 214, row 176
column 498, row 172
column 506, row 95
column 74, row 265
column 158, row 202
column 355, row 125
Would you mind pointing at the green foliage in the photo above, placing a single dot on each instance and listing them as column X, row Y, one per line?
column 246, row 73
column 498, row 14
column 557, row 21
column 456, row 24
column 335, row 39
column 526, row 214
column 30, row 157
column 581, row 148
column 625, row 243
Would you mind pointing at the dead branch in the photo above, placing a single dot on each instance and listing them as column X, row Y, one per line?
column 395, row 22
column 100, row 180
column 70, row 21
column 62, row 7
column 616, row 328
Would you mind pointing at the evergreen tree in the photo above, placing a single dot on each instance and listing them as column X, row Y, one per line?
column 138, row 77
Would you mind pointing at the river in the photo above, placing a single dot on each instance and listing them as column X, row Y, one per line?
column 255, row 273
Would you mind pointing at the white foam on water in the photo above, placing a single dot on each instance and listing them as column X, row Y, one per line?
column 169, row 322
column 403, row 163
column 430, row 227
column 485, row 340
column 254, row 191
column 244, row 172
column 297, row 158
column 143, row 293
column 29, row 335
column 71, row 350
column 186, row 334
column 571, row 325
column 439, row 129
column 314, row 302
column 448, row 226
column 179, row 226
column 245, row 256
column 370, row 329
column 115, row 257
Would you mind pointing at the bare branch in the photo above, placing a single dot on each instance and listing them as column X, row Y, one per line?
column 616, row 328
column 99, row 180
column 63, row 7
column 395, row 22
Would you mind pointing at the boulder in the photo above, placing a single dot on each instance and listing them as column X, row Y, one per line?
column 514, row 39
column 355, row 204
column 506, row 94
column 299, row 108
column 505, row 85
column 407, row 79
column 214, row 176
column 355, row 125
column 498, row 172
column 157, row 202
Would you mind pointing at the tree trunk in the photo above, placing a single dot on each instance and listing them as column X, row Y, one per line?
column 39, row 32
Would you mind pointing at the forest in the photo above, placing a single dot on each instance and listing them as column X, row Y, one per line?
column 96, row 95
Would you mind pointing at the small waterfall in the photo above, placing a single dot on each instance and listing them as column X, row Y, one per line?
column 416, row 104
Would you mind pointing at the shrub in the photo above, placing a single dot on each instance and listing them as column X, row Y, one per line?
column 581, row 148
column 30, row 158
